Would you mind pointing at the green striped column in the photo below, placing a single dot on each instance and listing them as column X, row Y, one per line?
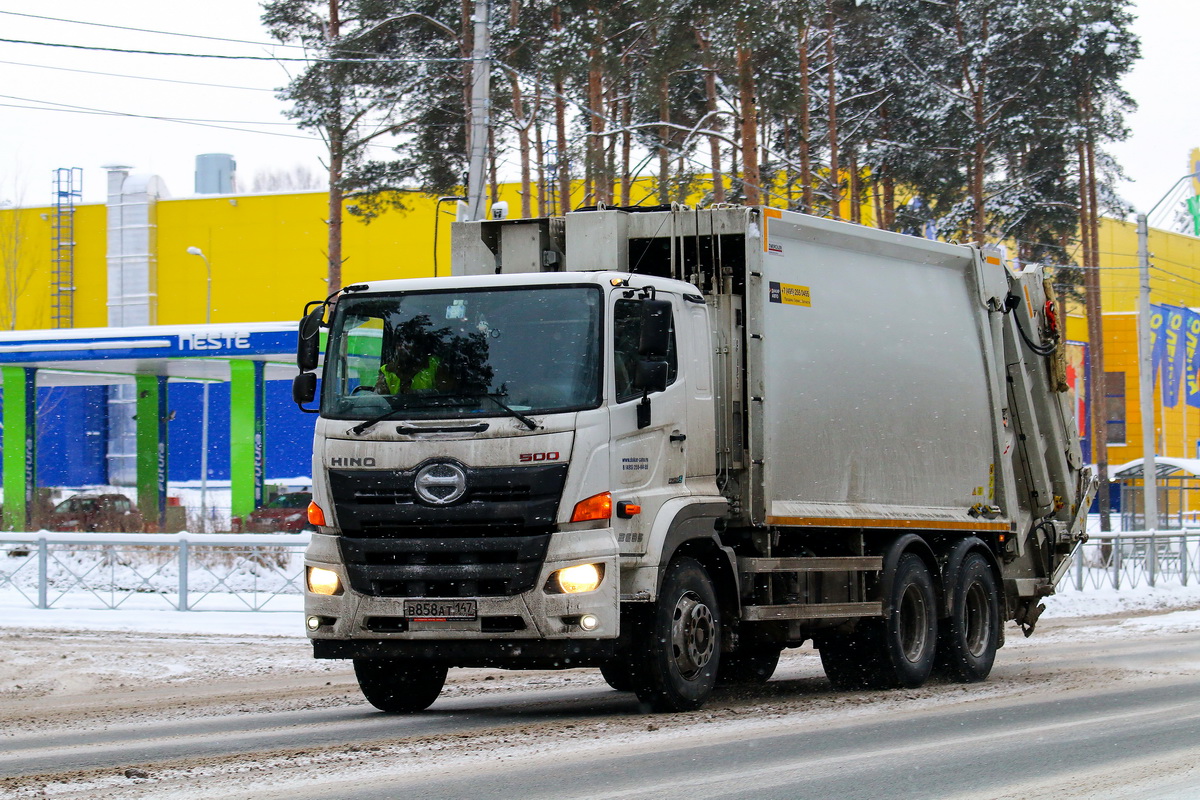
column 247, row 408
column 152, row 448
column 20, row 446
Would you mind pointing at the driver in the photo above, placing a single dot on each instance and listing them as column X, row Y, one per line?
column 408, row 371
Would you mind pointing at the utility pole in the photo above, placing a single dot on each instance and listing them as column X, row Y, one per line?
column 1146, row 380
column 1146, row 364
column 481, row 74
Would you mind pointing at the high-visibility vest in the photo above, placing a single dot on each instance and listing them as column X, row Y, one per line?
column 423, row 380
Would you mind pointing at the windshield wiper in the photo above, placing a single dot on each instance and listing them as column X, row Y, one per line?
column 410, row 402
column 495, row 398
column 399, row 405
column 361, row 427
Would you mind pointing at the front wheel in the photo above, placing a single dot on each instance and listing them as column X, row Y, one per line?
column 968, row 645
column 398, row 685
column 679, row 647
column 616, row 674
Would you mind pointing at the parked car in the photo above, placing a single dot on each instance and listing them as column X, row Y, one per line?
column 285, row 512
column 95, row 512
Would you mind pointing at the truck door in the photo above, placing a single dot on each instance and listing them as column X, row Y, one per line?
column 648, row 464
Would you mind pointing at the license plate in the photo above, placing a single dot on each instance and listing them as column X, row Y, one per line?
column 440, row 610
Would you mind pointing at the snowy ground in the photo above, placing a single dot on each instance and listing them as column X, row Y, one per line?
column 87, row 681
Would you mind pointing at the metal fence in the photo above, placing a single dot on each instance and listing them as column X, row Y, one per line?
column 1127, row 561
column 264, row 572
column 183, row 571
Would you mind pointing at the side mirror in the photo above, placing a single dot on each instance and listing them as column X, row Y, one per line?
column 650, row 376
column 304, row 388
column 308, row 341
column 656, row 328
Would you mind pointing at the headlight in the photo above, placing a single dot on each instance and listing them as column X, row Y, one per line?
column 323, row 581
column 580, row 578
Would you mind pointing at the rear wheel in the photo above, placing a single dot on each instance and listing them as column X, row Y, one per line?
column 968, row 645
column 750, row 665
column 897, row 650
column 399, row 686
column 678, row 649
column 851, row 661
column 910, row 630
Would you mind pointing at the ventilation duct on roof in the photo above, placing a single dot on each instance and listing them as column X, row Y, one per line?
column 132, row 297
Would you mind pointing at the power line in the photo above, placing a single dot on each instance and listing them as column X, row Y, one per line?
column 137, row 77
column 381, row 60
column 142, row 116
column 217, row 124
column 162, row 119
column 1176, row 275
column 145, row 30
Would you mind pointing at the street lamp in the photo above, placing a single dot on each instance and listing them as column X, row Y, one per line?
column 1146, row 363
column 196, row 251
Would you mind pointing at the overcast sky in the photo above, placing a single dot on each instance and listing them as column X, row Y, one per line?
column 48, row 119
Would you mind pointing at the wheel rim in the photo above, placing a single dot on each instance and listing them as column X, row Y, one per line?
column 693, row 635
column 914, row 623
column 977, row 620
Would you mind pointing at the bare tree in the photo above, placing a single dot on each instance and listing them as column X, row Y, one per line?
column 297, row 179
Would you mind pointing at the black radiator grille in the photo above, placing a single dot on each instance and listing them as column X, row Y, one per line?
column 491, row 542
column 376, row 502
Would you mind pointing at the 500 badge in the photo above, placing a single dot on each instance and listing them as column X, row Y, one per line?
column 526, row 458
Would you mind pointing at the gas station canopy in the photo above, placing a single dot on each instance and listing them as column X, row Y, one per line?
column 149, row 357
column 91, row 356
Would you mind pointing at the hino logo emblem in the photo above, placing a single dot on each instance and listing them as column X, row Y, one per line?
column 440, row 483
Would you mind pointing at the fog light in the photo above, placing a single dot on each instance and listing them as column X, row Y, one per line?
column 580, row 578
column 314, row 623
column 323, row 581
column 588, row 622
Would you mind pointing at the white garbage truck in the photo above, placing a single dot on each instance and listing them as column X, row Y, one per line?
column 670, row 443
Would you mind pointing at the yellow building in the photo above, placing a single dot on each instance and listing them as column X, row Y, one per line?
column 267, row 258
column 1174, row 281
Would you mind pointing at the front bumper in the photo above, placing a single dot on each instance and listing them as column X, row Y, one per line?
column 530, row 626
column 510, row 653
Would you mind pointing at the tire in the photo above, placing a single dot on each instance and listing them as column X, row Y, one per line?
column 971, row 636
column 399, row 686
column 896, row 651
column 678, row 647
column 851, row 661
column 909, row 632
column 751, row 665
column 617, row 675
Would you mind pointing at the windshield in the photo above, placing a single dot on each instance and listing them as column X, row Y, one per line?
column 452, row 354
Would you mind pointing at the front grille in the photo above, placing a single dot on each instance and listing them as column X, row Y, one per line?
column 380, row 503
column 491, row 542
column 440, row 566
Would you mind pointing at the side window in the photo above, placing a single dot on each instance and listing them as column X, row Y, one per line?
column 1114, row 384
column 627, row 333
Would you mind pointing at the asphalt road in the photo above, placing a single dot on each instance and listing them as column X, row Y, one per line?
column 1091, row 710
